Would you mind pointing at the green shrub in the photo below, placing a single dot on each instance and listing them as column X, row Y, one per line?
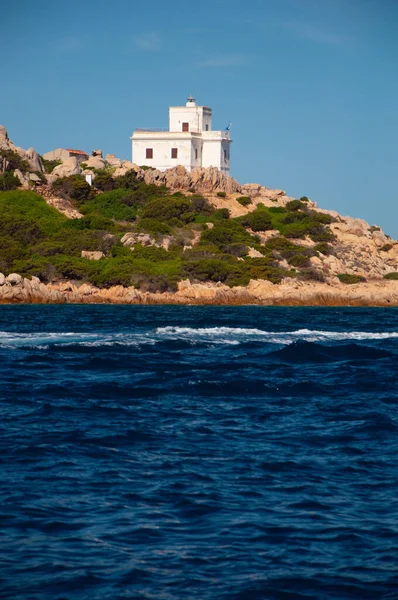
column 321, row 234
column 49, row 165
column 221, row 213
column 350, row 279
column 221, row 194
column 311, row 274
column 393, row 276
column 166, row 209
column 294, row 205
column 225, row 233
column 14, row 161
column 104, row 181
column 299, row 260
column 386, row 247
column 236, row 250
column 74, row 187
column 304, row 199
column 8, row 182
column 111, row 205
column 244, row 200
column 323, row 248
column 201, row 205
column 154, row 226
column 258, row 220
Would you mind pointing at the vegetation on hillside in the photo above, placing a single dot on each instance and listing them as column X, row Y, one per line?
column 203, row 243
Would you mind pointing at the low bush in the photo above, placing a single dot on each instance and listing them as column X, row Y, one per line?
column 221, row 213
column 225, row 233
column 294, row 205
column 323, row 248
column 244, row 200
column 49, row 165
column 299, row 260
column 74, row 187
column 221, row 194
column 350, row 279
column 13, row 161
column 154, row 226
column 386, row 247
column 169, row 208
column 8, row 182
column 392, row 276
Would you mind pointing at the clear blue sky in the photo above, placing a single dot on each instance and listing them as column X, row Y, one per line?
column 311, row 86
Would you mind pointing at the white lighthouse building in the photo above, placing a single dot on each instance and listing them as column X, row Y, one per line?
column 189, row 141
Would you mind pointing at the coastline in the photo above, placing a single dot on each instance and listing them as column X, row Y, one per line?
column 16, row 289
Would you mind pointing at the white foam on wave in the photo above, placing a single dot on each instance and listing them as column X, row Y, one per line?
column 192, row 335
column 271, row 337
column 43, row 340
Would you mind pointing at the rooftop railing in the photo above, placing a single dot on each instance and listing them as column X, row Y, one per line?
column 152, row 129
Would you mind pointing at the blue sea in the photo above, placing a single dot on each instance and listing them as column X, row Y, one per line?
column 197, row 453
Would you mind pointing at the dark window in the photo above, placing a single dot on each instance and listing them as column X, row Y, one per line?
column 207, row 128
column 196, row 154
column 185, row 126
column 225, row 155
column 174, row 152
column 149, row 153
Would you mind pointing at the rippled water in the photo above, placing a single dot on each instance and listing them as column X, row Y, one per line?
column 198, row 453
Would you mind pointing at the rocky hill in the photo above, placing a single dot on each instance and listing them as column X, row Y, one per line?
column 141, row 235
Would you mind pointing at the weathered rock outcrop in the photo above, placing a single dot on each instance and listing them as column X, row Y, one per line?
column 16, row 289
column 30, row 155
column 70, row 166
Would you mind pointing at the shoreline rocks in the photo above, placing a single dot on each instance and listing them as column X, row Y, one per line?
column 15, row 289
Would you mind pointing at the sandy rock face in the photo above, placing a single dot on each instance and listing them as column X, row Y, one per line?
column 29, row 155
column 96, row 162
column 92, row 255
column 70, row 166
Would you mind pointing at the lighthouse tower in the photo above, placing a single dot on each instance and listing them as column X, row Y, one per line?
column 189, row 141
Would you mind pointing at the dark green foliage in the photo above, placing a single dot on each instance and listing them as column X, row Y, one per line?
column 393, row 276
column 154, row 226
column 258, row 220
column 321, row 234
column 74, row 187
column 169, row 208
column 350, row 279
column 374, row 228
column 323, row 248
column 104, row 181
column 311, row 274
column 49, row 165
column 221, row 213
column 201, row 205
column 294, row 205
column 225, row 233
column 116, row 204
column 8, row 182
column 13, row 161
column 244, row 200
column 299, row 260
column 386, row 247
column 221, row 194
column 304, row 199
column 236, row 250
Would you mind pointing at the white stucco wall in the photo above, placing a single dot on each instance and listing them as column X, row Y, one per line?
column 162, row 152
column 197, row 117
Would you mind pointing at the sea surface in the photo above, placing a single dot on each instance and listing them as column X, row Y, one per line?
column 198, row 453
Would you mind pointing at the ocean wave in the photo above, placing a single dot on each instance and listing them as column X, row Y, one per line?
column 188, row 335
column 271, row 337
